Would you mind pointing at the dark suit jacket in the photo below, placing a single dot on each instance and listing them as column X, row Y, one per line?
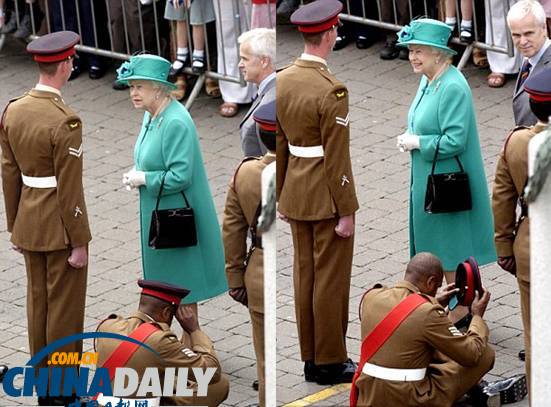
column 250, row 142
column 521, row 106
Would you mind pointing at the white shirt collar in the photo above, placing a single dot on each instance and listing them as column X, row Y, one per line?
column 265, row 82
column 310, row 57
column 46, row 88
column 536, row 58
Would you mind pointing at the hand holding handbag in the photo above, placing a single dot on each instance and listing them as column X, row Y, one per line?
column 171, row 228
column 447, row 192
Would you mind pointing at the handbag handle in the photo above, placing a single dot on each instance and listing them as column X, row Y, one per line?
column 436, row 155
column 161, row 191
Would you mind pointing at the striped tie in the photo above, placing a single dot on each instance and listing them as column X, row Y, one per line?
column 524, row 72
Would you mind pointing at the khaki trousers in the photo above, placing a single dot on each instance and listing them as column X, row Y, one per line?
column 524, row 288
column 257, row 320
column 56, row 296
column 322, row 268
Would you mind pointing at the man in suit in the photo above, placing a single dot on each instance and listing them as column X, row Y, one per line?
column 527, row 22
column 316, row 193
column 245, row 266
column 257, row 51
column 44, row 197
column 512, row 232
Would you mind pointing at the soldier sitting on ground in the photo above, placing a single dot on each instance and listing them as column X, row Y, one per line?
column 159, row 303
column 425, row 359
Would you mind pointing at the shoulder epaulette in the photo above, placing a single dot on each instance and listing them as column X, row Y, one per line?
column 509, row 138
column 376, row 286
column 283, row 67
column 6, row 108
column 239, row 166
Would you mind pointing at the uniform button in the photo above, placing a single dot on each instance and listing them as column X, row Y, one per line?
column 56, row 99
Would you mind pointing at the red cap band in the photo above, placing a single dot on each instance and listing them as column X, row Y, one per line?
column 173, row 299
column 267, row 127
column 54, row 57
column 317, row 28
column 540, row 97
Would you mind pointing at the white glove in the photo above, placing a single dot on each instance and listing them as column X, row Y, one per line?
column 407, row 142
column 133, row 179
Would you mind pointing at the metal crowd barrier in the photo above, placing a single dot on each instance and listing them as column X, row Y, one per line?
column 99, row 23
column 428, row 8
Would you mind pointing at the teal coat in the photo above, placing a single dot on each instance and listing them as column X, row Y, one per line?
column 169, row 144
column 445, row 108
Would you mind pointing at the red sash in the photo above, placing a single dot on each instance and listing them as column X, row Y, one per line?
column 122, row 354
column 380, row 335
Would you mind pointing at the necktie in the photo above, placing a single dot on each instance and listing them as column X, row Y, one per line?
column 524, row 72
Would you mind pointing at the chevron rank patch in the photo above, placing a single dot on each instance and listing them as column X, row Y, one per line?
column 454, row 331
column 343, row 121
column 189, row 353
column 340, row 94
column 77, row 152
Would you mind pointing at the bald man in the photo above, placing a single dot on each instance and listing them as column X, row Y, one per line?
column 426, row 360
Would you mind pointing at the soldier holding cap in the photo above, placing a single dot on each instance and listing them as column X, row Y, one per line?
column 44, row 197
column 423, row 359
column 159, row 303
column 512, row 232
column 316, row 193
column 245, row 266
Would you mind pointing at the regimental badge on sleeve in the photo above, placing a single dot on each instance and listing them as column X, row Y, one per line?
column 341, row 94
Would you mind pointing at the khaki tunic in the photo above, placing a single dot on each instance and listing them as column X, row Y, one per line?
column 312, row 110
column 425, row 339
column 41, row 136
column 175, row 353
column 510, row 180
column 244, row 196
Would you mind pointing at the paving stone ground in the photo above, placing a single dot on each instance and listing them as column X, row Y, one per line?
column 380, row 94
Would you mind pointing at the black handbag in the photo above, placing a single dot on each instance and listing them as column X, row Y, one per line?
column 171, row 228
column 447, row 192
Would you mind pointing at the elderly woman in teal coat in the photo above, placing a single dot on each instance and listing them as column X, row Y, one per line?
column 443, row 110
column 168, row 147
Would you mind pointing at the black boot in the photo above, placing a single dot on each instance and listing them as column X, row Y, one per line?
column 390, row 51
column 336, row 373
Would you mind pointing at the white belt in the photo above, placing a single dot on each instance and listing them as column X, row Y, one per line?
column 39, row 182
column 306, row 152
column 400, row 375
column 103, row 400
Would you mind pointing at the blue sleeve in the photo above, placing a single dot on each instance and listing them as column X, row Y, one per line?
column 454, row 117
column 177, row 148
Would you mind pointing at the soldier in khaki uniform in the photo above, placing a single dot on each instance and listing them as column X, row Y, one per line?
column 245, row 267
column 316, row 193
column 512, row 232
column 159, row 303
column 41, row 140
column 426, row 361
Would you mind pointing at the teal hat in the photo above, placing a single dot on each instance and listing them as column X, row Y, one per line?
column 426, row 31
column 145, row 67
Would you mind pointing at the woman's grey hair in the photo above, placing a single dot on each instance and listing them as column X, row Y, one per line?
column 165, row 89
column 524, row 7
column 262, row 42
column 442, row 53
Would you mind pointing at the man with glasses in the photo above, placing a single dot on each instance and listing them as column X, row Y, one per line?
column 316, row 193
column 41, row 140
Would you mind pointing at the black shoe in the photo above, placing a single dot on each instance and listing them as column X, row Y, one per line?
column 77, row 70
column 341, row 42
column 44, row 401
column 466, row 34
column 363, row 42
column 198, row 64
column 310, row 371
column 255, row 385
column 522, row 355
column 119, row 86
column 95, row 72
column 336, row 373
column 25, row 28
column 3, row 370
column 404, row 54
column 390, row 51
